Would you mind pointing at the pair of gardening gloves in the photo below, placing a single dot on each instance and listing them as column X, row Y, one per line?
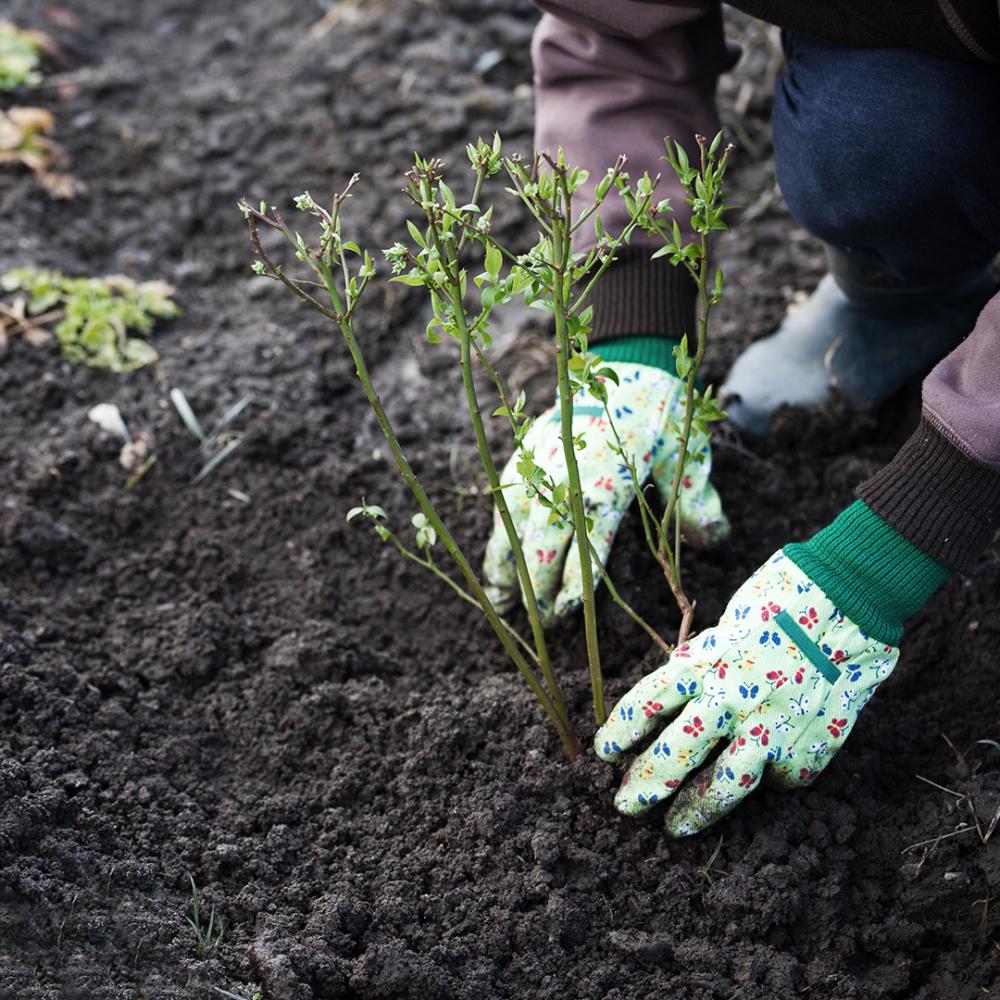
column 775, row 686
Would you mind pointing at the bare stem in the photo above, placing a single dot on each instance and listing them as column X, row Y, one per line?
column 562, row 251
column 451, row 266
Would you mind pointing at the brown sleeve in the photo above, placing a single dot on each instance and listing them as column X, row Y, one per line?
column 613, row 78
column 942, row 491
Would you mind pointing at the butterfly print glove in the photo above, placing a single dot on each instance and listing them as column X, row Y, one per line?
column 778, row 683
column 645, row 406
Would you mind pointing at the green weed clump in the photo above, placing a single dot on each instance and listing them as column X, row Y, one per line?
column 92, row 318
column 452, row 254
column 21, row 53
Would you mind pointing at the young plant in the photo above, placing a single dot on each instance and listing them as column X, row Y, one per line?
column 704, row 189
column 21, row 52
column 548, row 276
column 90, row 317
column 217, row 444
column 207, row 935
column 453, row 236
column 708, row 871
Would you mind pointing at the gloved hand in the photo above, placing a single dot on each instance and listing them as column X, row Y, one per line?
column 644, row 405
column 781, row 678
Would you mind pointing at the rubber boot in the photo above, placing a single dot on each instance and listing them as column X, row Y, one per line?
column 861, row 331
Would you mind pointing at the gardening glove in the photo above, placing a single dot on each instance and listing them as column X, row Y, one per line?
column 781, row 679
column 647, row 408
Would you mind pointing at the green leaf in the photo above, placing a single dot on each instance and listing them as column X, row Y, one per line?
column 416, row 234
column 494, row 261
column 447, row 195
column 598, row 390
column 682, row 360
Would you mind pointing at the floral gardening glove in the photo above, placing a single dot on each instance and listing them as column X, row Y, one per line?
column 644, row 406
column 781, row 680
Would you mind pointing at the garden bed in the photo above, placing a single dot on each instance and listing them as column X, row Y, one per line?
column 228, row 682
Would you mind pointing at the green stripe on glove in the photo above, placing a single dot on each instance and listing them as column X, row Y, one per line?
column 872, row 573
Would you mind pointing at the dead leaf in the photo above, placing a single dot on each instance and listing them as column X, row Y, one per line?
column 24, row 140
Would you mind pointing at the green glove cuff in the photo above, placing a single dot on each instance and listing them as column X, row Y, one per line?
column 869, row 571
column 657, row 352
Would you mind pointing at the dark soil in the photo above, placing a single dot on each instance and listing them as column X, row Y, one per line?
column 259, row 696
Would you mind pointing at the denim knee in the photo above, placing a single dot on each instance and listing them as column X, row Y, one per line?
column 891, row 151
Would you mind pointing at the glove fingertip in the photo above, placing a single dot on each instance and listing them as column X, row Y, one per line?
column 606, row 748
column 502, row 598
column 566, row 604
column 627, row 806
column 704, row 536
column 682, row 825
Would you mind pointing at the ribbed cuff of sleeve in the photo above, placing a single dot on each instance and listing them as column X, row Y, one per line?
column 658, row 352
column 938, row 498
column 637, row 297
column 870, row 571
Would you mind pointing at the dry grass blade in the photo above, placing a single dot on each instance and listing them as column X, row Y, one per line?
column 934, row 784
column 962, row 828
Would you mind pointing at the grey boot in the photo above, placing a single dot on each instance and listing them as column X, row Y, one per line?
column 861, row 332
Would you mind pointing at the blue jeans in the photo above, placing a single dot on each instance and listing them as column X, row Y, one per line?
column 893, row 152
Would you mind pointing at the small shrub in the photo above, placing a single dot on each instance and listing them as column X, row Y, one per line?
column 467, row 274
